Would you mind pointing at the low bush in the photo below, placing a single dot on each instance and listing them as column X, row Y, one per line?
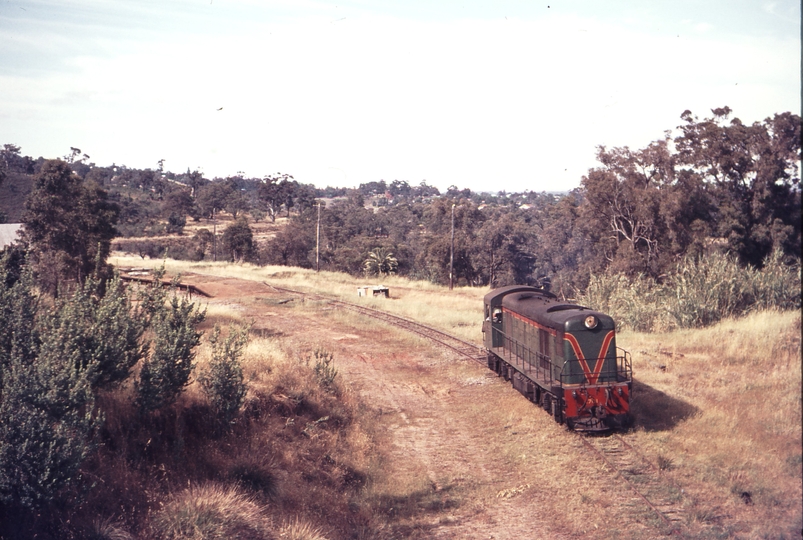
column 223, row 380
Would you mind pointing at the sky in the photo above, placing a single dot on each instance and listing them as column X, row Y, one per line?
column 490, row 96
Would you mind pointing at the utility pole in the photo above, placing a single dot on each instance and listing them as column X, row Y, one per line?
column 318, row 240
column 451, row 254
column 214, row 236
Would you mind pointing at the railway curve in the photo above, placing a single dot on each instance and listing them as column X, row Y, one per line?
column 660, row 497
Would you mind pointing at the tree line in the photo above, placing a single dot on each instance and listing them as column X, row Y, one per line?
column 718, row 185
column 713, row 184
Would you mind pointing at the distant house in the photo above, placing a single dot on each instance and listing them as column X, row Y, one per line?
column 9, row 233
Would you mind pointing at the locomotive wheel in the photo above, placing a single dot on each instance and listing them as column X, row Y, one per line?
column 548, row 403
column 557, row 412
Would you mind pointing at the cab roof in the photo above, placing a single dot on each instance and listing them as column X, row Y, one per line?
column 545, row 308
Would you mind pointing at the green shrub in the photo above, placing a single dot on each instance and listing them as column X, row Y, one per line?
column 324, row 368
column 223, row 381
column 47, row 404
column 165, row 374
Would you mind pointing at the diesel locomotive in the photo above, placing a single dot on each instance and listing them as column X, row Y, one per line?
column 560, row 356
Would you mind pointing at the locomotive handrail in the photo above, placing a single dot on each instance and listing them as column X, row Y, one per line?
column 533, row 361
column 623, row 371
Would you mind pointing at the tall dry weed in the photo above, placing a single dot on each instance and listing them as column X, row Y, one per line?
column 699, row 293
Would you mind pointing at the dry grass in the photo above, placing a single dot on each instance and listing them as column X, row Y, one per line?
column 211, row 512
column 299, row 448
column 300, row 530
column 728, row 422
column 458, row 312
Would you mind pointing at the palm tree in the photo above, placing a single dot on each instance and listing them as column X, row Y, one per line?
column 380, row 262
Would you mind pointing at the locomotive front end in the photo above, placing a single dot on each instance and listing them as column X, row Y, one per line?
column 596, row 378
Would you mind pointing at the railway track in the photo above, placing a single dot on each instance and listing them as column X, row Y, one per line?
column 662, row 497
column 659, row 497
column 464, row 348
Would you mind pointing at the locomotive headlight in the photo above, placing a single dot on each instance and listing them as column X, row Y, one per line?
column 591, row 322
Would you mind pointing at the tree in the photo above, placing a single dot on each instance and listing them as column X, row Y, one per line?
column 501, row 252
column 10, row 156
column 177, row 203
column 165, row 374
column 236, row 201
column 380, row 262
column 204, row 239
column 271, row 193
column 47, row 405
column 257, row 214
column 238, row 240
column 69, row 225
column 752, row 173
column 292, row 245
column 195, row 180
column 213, row 197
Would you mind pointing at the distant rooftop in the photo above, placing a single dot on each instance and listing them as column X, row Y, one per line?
column 9, row 233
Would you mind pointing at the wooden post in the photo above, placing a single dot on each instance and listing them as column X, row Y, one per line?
column 451, row 254
column 318, row 240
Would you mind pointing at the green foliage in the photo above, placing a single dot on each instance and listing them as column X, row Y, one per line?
column 257, row 213
column 752, row 174
column 47, row 402
column 69, row 225
column 700, row 292
column 175, row 224
column 632, row 302
column 238, row 241
column 380, row 262
column 167, row 371
column 94, row 329
column 56, row 353
column 223, row 382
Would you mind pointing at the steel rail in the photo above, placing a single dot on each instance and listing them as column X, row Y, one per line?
column 477, row 353
column 460, row 346
column 605, row 455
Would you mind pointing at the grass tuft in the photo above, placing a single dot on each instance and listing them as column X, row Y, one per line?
column 300, row 530
column 107, row 529
column 211, row 512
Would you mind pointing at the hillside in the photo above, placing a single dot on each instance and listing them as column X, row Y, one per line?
column 438, row 447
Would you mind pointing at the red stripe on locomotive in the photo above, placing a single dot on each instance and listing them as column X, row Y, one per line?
column 578, row 352
column 585, row 401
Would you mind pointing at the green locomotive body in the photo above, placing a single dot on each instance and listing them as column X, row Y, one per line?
column 560, row 356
